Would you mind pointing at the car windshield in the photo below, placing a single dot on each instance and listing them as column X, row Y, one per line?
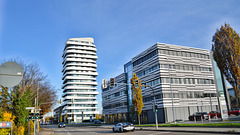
column 125, row 124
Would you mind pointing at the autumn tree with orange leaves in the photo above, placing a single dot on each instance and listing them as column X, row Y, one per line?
column 137, row 96
column 226, row 53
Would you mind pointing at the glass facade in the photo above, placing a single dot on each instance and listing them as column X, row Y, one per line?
column 128, row 69
column 221, row 83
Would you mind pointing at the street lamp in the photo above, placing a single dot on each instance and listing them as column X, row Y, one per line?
column 154, row 105
column 171, row 91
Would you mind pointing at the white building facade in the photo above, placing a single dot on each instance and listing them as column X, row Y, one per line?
column 182, row 79
column 79, row 80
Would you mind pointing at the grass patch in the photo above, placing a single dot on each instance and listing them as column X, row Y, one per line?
column 193, row 125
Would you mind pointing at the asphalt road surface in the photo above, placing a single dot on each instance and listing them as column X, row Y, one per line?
column 108, row 131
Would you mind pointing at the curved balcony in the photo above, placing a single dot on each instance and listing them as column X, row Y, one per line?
column 94, row 74
column 76, row 107
column 80, row 64
column 87, row 102
column 70, row 42
column 79, row 69
column 83, row 88
column 79, row 83
column 75, row 97
column 74, row 53
column 90, row 48
column 69, row 59
column 86, row 93
column 66, row 77
column 89, row 112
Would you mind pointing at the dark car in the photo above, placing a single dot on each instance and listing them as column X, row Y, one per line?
column 199, row 116
column 213, row 114
column 97, row 122
column 61, row 124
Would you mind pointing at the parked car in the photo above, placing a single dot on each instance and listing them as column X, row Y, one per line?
column 97, row 122
column 199, row 116
column 214, row 114
column 235, row 111
column 61, row 124
column 120, row 127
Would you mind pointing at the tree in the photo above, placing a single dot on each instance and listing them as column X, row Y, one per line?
column 226, row 53
column 33, row 81
column 137, row 96
column 16, row 99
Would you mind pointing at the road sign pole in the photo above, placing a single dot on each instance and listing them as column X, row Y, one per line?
column 34, row 117
column 29, row 127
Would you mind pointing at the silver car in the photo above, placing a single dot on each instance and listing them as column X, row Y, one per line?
column 120, row 127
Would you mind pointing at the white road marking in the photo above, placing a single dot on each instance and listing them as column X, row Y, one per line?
column 158, row 133
column 67, row 132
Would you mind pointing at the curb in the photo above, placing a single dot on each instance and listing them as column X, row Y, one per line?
column 197, row 131
column 215, row 132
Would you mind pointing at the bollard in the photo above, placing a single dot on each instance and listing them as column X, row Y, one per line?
column 202, row 118
column 209, row 118
column 195, row 119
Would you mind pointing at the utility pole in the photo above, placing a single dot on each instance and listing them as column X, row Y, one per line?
column 37, row 108
column 34, row 117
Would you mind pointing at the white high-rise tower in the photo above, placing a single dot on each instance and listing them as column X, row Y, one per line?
column 79, row 80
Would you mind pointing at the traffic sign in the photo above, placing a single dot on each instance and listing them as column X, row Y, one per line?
column 30, row 108
column 11, row 74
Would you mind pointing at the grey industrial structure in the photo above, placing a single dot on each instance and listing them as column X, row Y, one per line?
column 180, row 74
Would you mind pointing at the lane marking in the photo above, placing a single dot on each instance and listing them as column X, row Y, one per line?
column 67, row 132
column 158, row 133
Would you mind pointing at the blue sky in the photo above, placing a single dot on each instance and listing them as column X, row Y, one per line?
column 36, row 31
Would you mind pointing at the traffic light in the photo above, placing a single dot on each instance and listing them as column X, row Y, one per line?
column 156, row 108
column 137, row 83
column 32, row 116
column 112, row 84
column 40, row 114
column 104, row 83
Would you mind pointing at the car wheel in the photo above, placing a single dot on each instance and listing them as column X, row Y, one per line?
column 120, row 130
column 237, row 113
column 133, row 129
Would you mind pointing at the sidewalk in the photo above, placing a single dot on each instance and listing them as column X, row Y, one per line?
column 219, row 130
column 46, row 131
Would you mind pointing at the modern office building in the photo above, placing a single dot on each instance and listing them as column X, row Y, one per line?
column 115, row 100
column 79, row 80
column 182, row 79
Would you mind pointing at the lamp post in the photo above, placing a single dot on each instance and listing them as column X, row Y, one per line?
column 156, row 120
column 171, row 91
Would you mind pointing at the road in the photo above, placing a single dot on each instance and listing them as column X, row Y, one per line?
column 108, row 131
